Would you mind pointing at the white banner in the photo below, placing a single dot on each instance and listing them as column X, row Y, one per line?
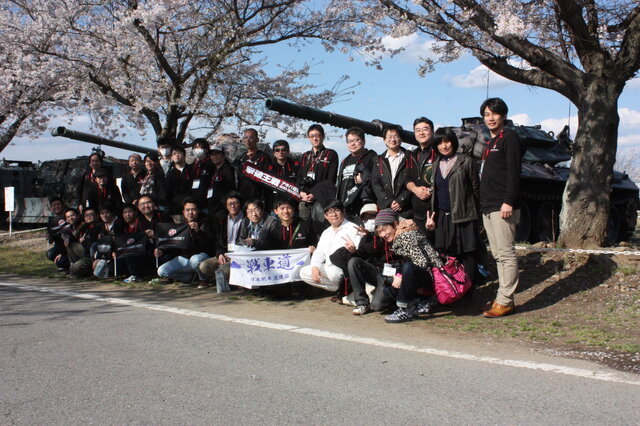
column 9, row 199
column 268, row 267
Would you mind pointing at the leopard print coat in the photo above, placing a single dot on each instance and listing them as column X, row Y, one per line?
column 414, row 246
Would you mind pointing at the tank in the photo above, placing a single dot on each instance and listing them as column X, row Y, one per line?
column 544, row 170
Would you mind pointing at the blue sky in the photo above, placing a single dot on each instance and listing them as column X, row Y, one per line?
column 395, row 94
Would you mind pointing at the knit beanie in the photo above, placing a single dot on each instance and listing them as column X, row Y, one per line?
column 386, row 217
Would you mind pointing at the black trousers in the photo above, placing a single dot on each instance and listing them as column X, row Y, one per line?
column 362, row 272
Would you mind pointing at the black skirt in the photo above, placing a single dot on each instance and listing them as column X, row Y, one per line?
column 455, row 238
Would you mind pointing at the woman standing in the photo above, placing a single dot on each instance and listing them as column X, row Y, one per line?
column 153, row 183
column 88, row 181
column 454, row 203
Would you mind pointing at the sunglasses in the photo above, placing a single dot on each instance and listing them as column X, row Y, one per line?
column 280, row 150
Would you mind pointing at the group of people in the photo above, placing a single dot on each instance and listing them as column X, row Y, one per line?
column 376, row 224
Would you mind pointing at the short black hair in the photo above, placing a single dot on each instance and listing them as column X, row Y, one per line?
column 356, row 131
column 496, row 105
column 285, row 200
column 233, row 194
column 130, row 206
column 165, row 140
column 423, row 120
column 70, row 209
column 178, row 148
column 89, row 209
column 189, row 200
column 446, row 134
column 316, row 127
column 56, row 198
column 392, row 127
column 256, row 202
column 149, row 196
column 281, row 142
column 202, row 142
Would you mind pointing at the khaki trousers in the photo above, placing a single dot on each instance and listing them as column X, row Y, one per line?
column 330, row 277
column 501, row 234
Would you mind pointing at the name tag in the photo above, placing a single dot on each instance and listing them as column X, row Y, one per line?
column 196, row 184
column 388, row 270
column 210, row 193
column 231, row 247
column 311, row 175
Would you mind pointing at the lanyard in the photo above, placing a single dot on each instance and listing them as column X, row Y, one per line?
column 485, row 154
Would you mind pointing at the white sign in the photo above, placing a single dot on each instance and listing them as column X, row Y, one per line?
column 9, row 199
column 268, row 267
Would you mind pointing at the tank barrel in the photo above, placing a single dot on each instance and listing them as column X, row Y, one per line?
column 87, row 137
column 373, row 128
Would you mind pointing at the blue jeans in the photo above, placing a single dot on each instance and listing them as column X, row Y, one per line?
column 182, row 269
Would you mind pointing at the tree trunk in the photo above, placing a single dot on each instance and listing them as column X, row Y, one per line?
column 7, row 135
column 585, row 202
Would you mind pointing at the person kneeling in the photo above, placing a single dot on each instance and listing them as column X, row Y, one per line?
column 322, row 272
column 184, row 266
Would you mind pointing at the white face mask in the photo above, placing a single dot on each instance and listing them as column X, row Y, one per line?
column 199, row 153
column 370, row 225
column 165, row 152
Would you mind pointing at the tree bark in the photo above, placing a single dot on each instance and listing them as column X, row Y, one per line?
column 586, row 197
column 7, row 135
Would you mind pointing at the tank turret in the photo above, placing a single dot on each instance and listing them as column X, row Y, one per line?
column 98, row 140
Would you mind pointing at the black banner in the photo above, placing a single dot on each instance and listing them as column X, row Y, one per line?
column 104, row 247
column 172, row 236
column 134, row 244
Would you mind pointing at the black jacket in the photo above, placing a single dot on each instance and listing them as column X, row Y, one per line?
column 202, row 177
column 353, row 195
column 178, row 186
column 279, row 237
column 500, row 179
column 96, row 196
column 249, row 189
column 421, row 174
column 222, row 182
column 318, row 173
column 384, row 189
column 131, row 186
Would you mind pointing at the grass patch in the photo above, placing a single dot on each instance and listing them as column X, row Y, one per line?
column 625, row 270
column 25, row 262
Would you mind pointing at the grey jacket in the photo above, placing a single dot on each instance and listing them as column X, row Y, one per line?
column 464, row 189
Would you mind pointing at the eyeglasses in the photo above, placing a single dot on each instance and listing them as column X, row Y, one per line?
column 333, row 210
column 280, row 150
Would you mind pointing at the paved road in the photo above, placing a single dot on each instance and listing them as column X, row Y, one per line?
column 67, row 360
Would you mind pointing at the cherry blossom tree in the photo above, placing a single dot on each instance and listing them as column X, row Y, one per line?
column 30, row 84
column 175, row 64
column 585, row 50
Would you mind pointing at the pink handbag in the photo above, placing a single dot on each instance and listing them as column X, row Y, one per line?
column 450, row 281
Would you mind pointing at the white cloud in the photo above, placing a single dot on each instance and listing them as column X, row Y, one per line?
column 477, row 77
column 629, row 140
column 629, row 119
column 522, row 119
column 556, row 125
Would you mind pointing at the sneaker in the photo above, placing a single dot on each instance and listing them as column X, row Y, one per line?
column 401, row 315
column 203, row 284
column 132, row 279
column 426, row 306
column 187, row 284
column 361, row 310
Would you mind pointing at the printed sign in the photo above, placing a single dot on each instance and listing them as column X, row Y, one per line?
column 172, row 236
column 268, row 267
column 9, row 199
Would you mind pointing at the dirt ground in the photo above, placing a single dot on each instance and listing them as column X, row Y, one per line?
column 568, row 304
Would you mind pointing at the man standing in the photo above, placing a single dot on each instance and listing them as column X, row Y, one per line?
column 342, row 233
column 223, row 181
column 164, row 152
column 499, row 182
column 248, row 188
column 354, row 184
column 389, row 174
column 420, row 171
column 284, row 167
column 318, row 172
column 179, row 180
